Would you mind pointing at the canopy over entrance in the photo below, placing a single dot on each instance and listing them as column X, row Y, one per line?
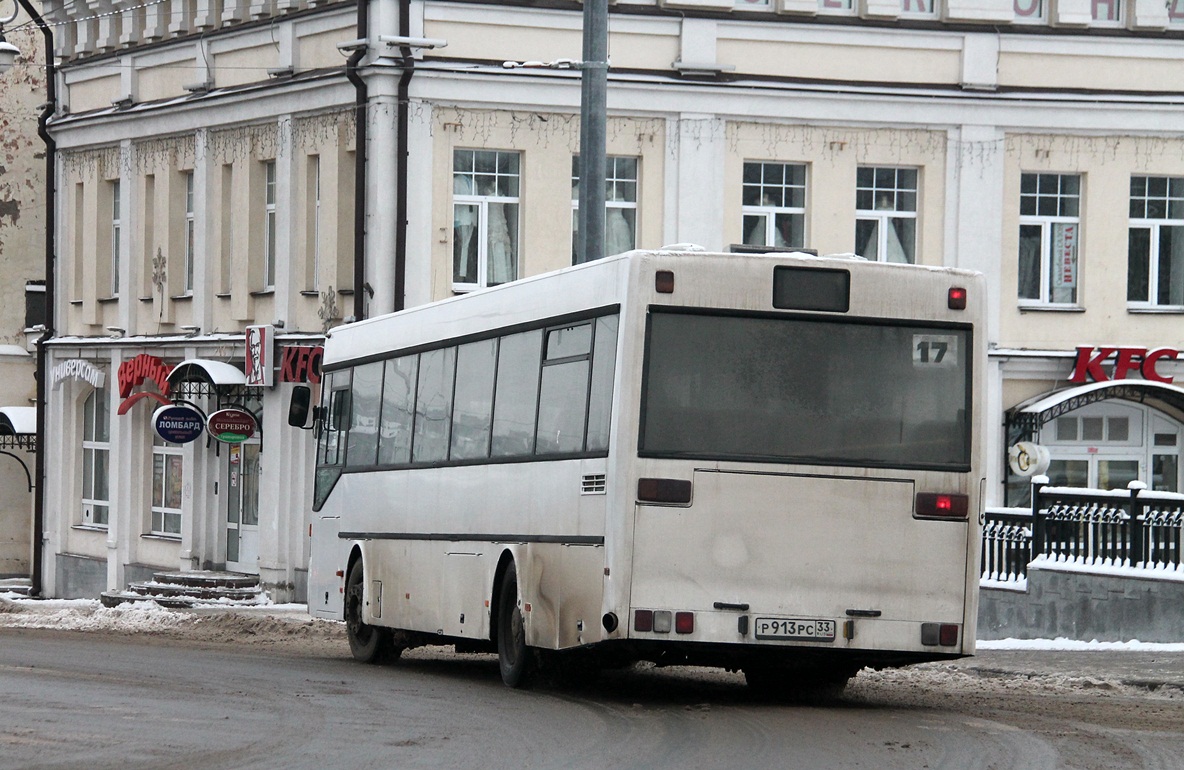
column 1029, row 416
column 203, row 377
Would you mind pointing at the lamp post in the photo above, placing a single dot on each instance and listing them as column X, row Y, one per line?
column 8, row 54
column 8, row 51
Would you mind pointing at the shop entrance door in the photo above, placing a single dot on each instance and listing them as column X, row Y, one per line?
column 242, row 507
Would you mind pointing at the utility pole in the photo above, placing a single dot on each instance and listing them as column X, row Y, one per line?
column 593, row 105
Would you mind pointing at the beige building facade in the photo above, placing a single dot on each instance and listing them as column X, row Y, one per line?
column 22, row 293
column 215, row 177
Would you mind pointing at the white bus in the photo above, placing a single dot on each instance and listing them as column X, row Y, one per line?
column 768, row 463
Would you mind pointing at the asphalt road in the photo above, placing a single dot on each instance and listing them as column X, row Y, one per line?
column 76, row 699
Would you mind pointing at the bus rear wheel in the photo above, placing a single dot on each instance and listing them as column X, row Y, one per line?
column 516, row 660
column 369, row 644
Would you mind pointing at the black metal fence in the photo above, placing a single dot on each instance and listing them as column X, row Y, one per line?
column 1126, row 528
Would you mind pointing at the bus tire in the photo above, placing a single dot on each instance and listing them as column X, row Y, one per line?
column 369, row 644
column 515, row 659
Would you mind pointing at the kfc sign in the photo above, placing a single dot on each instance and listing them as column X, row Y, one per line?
column 1090, row 361
column 302, row 364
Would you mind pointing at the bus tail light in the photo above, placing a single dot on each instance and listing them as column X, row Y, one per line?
column 664, row 281
column 956, row 299
column 939, row 634
column 935, row 505
column 668, row 491
column 684, row 622
column 643, row 620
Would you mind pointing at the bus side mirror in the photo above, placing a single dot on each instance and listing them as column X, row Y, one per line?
column 298, row 407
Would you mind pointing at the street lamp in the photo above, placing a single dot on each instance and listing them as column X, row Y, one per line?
column 8, row 51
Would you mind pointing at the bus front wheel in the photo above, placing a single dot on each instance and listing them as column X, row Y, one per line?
column 369, row 644
column 514, row 657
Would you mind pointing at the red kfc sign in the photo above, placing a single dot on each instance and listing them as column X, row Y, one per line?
column 1090, row 361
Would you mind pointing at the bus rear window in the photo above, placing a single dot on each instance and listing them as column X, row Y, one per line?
column 806, row 390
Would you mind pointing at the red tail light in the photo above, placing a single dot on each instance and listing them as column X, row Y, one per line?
column 643, row 620
column 957, row 298
column 941, row 505
column 684, row 622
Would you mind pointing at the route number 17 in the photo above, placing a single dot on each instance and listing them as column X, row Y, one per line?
column 935, row 350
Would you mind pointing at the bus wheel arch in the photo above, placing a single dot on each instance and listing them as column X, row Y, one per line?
column 516, row 661
column 367, row 643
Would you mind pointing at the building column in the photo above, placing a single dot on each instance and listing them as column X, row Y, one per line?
column 696, row 142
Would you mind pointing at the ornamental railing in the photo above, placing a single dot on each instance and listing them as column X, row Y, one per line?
column 1133, row 530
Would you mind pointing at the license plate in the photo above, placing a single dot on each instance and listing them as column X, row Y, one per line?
column 795, row 629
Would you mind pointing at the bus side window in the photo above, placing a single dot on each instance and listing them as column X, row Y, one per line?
column 516, row 394
column 365, row 400
column 433, row 405
column 472, row 412
column 398, row 410
column 600, row 401
column 563, row 391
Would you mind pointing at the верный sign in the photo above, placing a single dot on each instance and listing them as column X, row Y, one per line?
column 232, row 426
column 178, row 423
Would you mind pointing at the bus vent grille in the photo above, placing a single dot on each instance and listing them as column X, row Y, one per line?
column 593, row 484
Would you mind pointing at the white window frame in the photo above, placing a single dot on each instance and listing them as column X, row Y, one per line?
column 465, row 194
column 1047, row 223
column 269, row 225
column 617, row 185
column 166, row 520
column 190, row 234
column 116, row 235
column 1155, row 225
column 770, row 212
column 887, row 200
column 96, row 510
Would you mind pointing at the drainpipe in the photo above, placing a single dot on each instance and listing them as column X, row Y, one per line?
column 361, row 102
column 51, row 152
column 402, row 116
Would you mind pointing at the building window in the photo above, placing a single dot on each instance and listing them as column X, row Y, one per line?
column 1029, row 11
column 167, row 480
column 35, row 310
column 915, row 8
column 1107, row 13
column 1155, row 242
column 1049, row 236
column 189, row 232
column 96, row 449
column 1175, row 12
column 836, row 7
column 484, row 218
column 116, row 237
column 774, row 211
column 886, row 214
column 620, row 205
column 269, row 226
column 315, row 225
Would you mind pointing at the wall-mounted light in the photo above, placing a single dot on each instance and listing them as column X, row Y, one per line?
column 191, row 330
column 280, row 72
column 117, row 331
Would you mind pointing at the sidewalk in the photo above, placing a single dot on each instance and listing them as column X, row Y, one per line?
column 1136, row 668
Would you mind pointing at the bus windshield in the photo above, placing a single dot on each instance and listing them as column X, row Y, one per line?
column 824, row 391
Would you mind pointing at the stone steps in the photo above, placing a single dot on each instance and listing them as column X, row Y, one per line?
column 192, row 589
column 18, row 586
